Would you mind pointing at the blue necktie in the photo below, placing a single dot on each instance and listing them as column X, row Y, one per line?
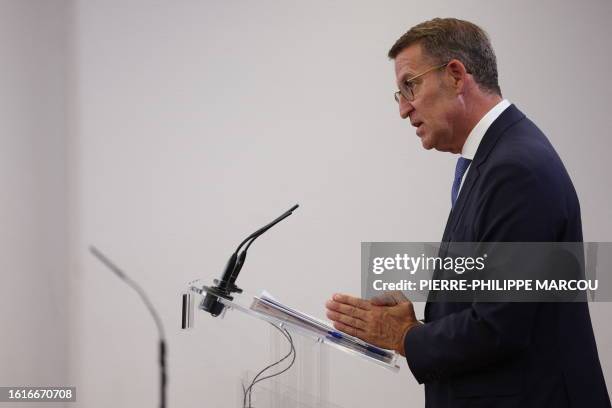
column 462, row 165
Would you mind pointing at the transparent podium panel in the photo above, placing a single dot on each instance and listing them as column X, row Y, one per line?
column 299, row 345
column 304, row 385
column 266, row 308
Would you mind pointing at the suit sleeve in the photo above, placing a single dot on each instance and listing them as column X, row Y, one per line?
column 513, row 209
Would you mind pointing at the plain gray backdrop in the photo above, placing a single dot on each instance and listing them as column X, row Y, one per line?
column 164, row 132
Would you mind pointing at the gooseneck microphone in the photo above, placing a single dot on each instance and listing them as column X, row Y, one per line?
column 227, row 284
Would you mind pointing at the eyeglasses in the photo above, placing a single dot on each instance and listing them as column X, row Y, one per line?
column 406, row 88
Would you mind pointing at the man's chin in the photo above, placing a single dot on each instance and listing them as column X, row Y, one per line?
column 427, row 145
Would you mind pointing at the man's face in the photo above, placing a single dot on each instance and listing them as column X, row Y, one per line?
column 433, row 110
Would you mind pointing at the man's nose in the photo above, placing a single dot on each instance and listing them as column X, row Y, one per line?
column 405, row 108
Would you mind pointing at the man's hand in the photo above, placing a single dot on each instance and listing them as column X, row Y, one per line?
column 382, row 321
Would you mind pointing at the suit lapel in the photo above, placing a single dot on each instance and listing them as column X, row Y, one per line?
column 508, row 117
column 464, row 195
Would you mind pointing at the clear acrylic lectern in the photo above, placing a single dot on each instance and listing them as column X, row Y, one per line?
column 306, row 384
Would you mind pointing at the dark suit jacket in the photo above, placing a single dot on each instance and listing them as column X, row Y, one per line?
column 510, row 354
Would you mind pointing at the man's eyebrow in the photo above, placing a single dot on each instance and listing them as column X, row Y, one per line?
column 409, row 75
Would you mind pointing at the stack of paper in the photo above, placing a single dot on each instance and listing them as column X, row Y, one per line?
column 267, row 305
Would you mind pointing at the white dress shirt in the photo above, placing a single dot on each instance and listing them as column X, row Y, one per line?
column 475, row 137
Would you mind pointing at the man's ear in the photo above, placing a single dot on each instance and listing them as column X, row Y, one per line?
column 458, row 74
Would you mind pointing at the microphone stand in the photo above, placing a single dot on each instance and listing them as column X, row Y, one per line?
column 160, row 328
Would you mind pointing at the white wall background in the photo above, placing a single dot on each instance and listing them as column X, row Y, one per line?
column 35, row 320
column 192, row 123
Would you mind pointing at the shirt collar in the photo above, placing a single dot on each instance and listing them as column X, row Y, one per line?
column 473, row 140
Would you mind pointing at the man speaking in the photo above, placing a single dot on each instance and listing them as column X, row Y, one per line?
column 509, row 186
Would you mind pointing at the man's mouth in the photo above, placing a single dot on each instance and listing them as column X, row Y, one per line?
column 417, row 124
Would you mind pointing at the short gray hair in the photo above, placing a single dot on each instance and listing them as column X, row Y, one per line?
column 444, row 39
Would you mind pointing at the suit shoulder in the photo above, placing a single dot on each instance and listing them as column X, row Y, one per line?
column 524, row 144
column 524, row 150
